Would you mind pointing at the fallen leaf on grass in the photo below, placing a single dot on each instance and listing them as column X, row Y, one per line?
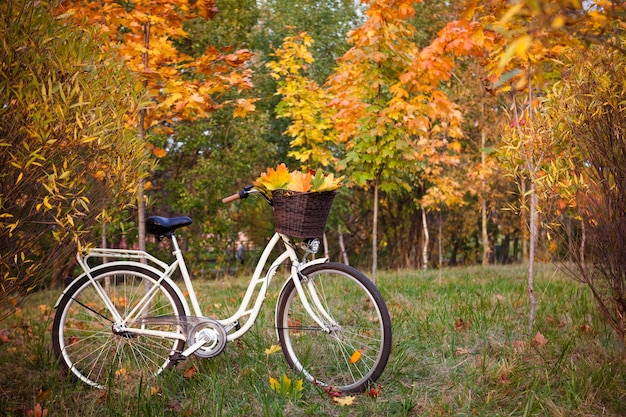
column 332, row 392
column 374, row 392
column 38, row 411
column 461, row 325
column 519, row 346
column 461, row 351
column 101, row 396
column 343, row 401
column 539, row 340
column 272, row 349
column 286, row 387
column 189, row 372
column 44, row 309
column 504, row 379
column 43, row 394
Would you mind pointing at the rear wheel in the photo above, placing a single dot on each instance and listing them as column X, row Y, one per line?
column 91, row 345
column 352, row 350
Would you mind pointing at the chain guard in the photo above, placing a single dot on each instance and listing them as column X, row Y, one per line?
column 215, row 335
column 195, row 328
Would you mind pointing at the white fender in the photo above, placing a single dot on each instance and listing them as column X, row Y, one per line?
column 121, row 265
column 300, row 268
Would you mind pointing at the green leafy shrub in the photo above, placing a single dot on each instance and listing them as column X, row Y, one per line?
column 65, row 149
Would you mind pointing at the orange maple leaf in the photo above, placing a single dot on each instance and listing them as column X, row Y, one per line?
column 300, row 182
column 189, row 372
column 354, row 358
column 159, row 152
column 243, row 108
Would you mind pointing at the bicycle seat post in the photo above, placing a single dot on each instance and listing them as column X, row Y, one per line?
column 178, row 254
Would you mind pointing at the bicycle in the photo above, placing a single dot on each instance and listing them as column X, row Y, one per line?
column 125, row 317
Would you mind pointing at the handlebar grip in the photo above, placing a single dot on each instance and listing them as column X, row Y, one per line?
column 231, row 198
column 244, row 193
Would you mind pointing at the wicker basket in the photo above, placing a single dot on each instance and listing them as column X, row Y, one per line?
column 299, row 214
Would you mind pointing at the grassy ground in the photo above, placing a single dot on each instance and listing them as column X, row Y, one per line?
column 462, row 346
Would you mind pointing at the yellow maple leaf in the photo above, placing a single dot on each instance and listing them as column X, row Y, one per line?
column 272, row 349
column 330, row 183
column 274, row 179
column 343, row 401
column 298, row 386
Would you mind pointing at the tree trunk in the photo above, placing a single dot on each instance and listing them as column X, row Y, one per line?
column 375, row 231
column 524, row 222
column 342, row 247
column 534, row 234
column 141, row 206
column 455, row 250
column 426, row 239
column 325, row 241
column 103, row 240
column 483, row 203
column 103, row 244
column 583, row 238
column 439, row 234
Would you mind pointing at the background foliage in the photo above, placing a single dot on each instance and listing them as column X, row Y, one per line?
column 434, row 111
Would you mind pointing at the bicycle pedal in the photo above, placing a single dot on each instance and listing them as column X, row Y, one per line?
column 177, row 357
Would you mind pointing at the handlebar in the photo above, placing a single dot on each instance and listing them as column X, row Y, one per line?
column 244, row 193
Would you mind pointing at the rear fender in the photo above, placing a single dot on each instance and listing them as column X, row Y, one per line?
column 120, row 265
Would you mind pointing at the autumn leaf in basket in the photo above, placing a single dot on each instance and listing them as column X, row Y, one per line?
column 325, row 182
column 273, row 179
column 299, row 181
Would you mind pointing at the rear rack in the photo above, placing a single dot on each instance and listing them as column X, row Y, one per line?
column 108, row 254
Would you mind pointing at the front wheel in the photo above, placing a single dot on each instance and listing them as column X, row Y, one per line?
column 351, row 349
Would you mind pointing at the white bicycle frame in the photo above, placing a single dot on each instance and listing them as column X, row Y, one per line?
column 165, row 271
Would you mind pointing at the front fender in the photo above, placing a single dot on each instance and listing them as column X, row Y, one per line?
column 300, row 267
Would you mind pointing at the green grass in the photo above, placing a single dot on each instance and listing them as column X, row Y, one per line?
column 462, row 346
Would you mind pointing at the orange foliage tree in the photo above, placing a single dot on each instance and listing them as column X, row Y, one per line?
column 393, row 113
column 383, row 107
column 180, row 87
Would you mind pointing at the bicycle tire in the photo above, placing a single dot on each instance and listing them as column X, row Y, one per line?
column 354, row 353
column 83, row 338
